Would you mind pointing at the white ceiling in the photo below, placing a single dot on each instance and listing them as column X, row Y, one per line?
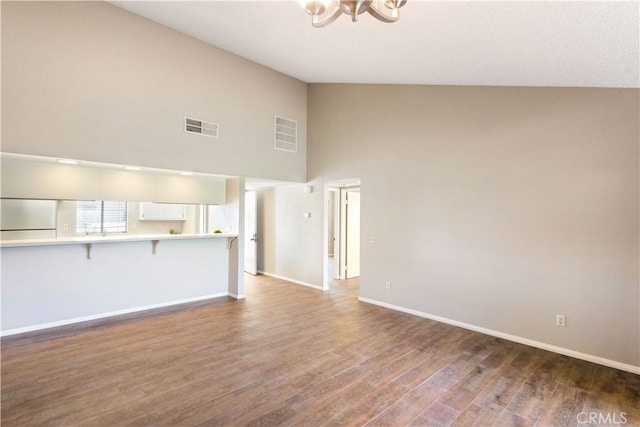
column 498, row 43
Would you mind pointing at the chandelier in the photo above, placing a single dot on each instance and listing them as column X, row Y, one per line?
column 324, row 12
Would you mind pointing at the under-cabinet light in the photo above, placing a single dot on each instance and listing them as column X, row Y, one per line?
column 68, row 161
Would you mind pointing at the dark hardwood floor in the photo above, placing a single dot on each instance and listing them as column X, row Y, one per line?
column 290, row 355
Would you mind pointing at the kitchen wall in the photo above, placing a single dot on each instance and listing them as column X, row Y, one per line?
column 66, row 216
column 91, row 81
column 29, row 177
column 493, row 207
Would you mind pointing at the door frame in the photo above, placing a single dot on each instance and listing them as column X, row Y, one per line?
column 348, row 246
column 250, row 240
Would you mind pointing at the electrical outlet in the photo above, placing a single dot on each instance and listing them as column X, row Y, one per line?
column 65, row 227
column 387, row 285
column 561, row 320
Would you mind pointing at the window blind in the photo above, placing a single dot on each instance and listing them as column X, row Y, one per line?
column 99, row 216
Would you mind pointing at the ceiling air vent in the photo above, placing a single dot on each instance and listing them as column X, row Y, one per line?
column 286, row 134
column 200, row 127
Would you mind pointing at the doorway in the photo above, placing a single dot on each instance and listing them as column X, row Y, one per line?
column 342, row 223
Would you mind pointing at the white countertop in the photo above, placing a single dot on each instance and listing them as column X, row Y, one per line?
column 112, row 238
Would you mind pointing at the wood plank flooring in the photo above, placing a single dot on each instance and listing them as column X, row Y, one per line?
column 294, row 356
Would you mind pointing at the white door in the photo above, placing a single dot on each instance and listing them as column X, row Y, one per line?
column 250, row 233
column 353, row 234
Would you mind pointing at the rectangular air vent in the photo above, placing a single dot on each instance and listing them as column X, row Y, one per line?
column 200, row 127
column 286, row 134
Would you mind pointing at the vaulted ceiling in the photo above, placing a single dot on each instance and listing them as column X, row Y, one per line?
column 497, row 43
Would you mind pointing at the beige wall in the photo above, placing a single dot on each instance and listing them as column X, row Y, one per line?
column 291, row 245
column 91, row 81
column 496, row 207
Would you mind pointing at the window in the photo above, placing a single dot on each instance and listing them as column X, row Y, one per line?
column 99, row 216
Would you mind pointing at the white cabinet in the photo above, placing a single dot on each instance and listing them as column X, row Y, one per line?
column 23, row 179
column 130, row 186
column 162, row 212
column 35, row 179
column 208, row 190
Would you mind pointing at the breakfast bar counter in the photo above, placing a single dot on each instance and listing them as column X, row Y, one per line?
column 53, row 282
column 110, row 238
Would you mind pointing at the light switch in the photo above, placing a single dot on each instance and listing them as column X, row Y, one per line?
column 307, row 214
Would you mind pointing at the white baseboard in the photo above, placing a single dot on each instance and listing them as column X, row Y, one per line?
column 544, row 346
column 288, row 279
column 108, row 314
column 241, row 296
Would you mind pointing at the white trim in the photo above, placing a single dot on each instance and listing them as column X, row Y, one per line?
column 241, row 296
column 544, row 346
column 108, row 314
column 288, row 279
